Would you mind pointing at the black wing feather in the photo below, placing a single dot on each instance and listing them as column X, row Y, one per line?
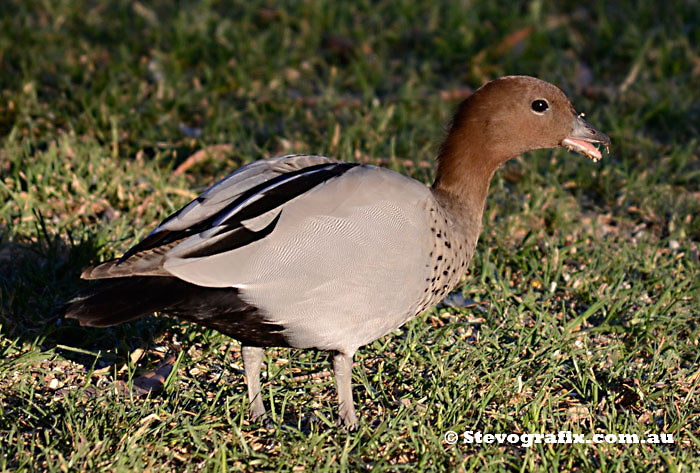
column 295, row 188
column 114, row 301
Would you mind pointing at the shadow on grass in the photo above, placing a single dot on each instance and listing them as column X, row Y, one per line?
column 37, row 276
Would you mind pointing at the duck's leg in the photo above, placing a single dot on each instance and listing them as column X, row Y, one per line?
column 342, row 369
column 252, row 361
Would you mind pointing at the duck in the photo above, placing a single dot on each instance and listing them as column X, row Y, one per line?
column 308, row 252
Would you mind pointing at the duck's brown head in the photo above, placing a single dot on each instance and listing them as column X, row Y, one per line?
column 507, row 117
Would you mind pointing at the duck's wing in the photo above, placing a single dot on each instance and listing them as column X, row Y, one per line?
column 227, row 210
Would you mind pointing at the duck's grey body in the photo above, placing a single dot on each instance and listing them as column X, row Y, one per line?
column 319, row 254
column 336, row 265
column 327, row 273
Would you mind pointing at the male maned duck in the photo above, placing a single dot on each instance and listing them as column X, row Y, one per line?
column 309, row 252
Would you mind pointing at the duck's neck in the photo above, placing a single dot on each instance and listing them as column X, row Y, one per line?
column 462, row 181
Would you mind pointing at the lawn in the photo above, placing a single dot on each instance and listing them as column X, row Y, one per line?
column 583, row 296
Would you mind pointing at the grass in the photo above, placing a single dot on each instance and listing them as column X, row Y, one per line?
column 587, row 276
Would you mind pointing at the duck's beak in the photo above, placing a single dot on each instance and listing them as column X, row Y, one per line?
column 583, row 138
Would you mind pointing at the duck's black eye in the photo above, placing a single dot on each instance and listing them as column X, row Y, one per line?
column 539, row 106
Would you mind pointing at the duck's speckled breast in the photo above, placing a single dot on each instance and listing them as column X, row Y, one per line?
column 452, row 244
